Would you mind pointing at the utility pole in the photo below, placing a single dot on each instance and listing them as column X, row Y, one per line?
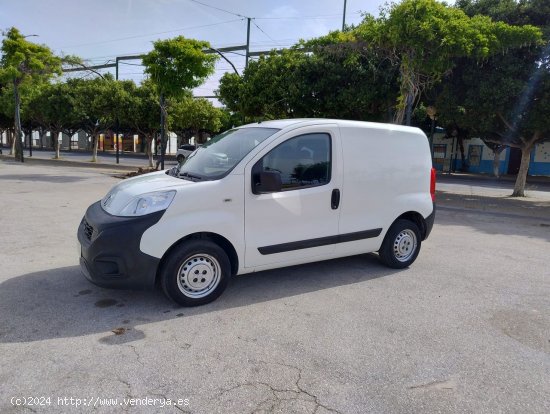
column 344, row 16
column 116, row 123
column 247, row 41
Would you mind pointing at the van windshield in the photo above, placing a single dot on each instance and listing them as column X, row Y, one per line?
column 217, row 157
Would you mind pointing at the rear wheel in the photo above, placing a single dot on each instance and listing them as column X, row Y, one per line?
column 196, row 273
column 401, row 245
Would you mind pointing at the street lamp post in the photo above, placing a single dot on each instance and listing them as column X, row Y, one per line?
column 117, row 121
column 344, row 16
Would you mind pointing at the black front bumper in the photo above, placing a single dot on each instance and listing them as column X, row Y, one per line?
column 110, row 255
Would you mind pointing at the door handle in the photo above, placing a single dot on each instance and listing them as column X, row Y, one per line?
column 335, row 199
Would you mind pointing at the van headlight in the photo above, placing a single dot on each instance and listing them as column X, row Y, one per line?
column 148, row 203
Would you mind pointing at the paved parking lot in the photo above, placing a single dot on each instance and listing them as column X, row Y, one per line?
column 465, row 329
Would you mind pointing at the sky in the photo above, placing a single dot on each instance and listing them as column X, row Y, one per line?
column 100, row 30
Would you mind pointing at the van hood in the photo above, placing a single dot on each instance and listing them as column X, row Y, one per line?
column 124, row 192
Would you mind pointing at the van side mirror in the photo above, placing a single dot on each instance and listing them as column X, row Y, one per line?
column 267, row 182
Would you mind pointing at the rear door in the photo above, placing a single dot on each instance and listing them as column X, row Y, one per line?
column 301, row 220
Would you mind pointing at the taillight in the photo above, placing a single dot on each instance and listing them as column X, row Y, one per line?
column 432, row 184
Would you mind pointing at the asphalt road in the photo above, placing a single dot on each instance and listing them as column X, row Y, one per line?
column 465, row 329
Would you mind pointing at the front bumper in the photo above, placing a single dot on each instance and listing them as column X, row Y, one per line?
column 109, row 249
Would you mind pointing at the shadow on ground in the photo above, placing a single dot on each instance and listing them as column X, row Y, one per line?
column 60, row 303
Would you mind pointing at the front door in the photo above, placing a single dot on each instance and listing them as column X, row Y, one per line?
column 301, row 220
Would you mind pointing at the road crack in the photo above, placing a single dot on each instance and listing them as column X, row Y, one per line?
column 279, row 395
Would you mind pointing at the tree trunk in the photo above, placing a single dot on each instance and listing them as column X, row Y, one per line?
column 95, row 144
column 496, row 161
column 162, row 131
column 399, row 116
column 42, row 133
column 409, row 91
column 56, row 144
column 18, row 147
column 148, row 149
column 11, row 141
column 519, row 187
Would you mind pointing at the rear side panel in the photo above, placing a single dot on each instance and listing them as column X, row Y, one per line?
column 386, row 174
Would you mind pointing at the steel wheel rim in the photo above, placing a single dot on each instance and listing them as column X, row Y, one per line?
column 404, row 245
column 198, row 276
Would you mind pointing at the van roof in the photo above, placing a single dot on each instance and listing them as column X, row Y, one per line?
column 285, row 123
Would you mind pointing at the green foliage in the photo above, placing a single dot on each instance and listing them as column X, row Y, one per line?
column 426, row 37
column 334, row 80
column 194, row 114
column 505, row 99
column 230, row 91
column 52, row 106
column 178, row 64
column 21, row 58
column 24, row 61
column 142, row 109
column 511, row 88
column 6, row 121
column 98, row 101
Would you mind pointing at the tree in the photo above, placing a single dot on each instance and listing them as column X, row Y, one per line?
column 504, row 99
column 267, row 88
column 425, row 38
column 97, row 103
column 141, row 113
column 337, row 78
column 191, row 116
column 21, row 60
column 176, row 65
column 6, row 124
column 53, row 107
column 6, row 114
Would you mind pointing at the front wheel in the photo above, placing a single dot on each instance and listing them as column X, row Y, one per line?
column 401, row 244
column 195, row 273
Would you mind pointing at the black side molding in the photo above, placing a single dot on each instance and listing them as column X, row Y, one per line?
column 321, row 241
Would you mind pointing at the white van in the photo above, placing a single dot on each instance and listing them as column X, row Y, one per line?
column 264, row 196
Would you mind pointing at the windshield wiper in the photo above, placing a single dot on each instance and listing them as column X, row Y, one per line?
column 190, row 177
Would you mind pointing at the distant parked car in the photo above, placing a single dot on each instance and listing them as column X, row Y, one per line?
column 184, row 151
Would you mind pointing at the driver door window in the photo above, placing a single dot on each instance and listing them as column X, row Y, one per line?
column 302, row 162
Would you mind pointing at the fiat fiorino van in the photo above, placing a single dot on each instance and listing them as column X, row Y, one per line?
column 264, row 196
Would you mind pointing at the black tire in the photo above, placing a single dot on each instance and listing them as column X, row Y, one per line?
column 180, row 158
column 399, row 248
column 195, row 273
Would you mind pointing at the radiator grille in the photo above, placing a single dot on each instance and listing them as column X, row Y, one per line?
column 88, row 230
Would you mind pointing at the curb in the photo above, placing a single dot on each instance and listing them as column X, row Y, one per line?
column 68, row 163
column 531, row 179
